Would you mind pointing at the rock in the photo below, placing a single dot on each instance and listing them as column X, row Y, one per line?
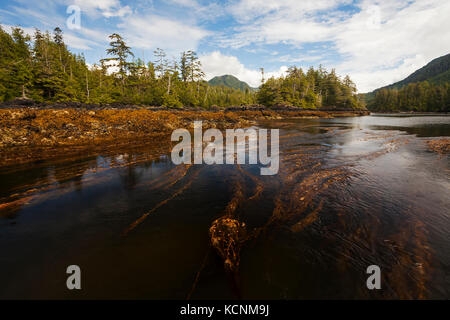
column 32, row 129
column 16, row 115
column 69, row 126
column 95, row 124
column 169, row 126
column 29, row 116
column 46, row 141
column 24, row 102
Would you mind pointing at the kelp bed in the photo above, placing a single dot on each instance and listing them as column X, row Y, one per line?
column 304, row 181
column 31, row 134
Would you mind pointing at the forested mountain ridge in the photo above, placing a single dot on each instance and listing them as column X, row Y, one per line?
column 230, row 82
column 425, row 90
column 436, row 72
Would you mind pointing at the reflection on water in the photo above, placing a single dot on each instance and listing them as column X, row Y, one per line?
column 350, row 193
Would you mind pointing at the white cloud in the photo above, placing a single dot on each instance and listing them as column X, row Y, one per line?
column 107, row 8
column 44, row 14
column 47, row 18
column 78, row 43
column 185, row 3
column 381, row 43
column 308, row 58
column 408, row 38
column 70, row 39
column 248, row 10
column 140, row 30
column 27, row 31
column 217, row 64
column 93, row 35
column 151, row 31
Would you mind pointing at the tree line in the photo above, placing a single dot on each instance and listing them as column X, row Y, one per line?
column 417, row 97
column 315, row 88
column 42, row 68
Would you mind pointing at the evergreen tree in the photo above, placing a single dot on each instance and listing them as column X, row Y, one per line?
column 120, row 52
column 421, row 97
column 314, row 89
column 48, row 72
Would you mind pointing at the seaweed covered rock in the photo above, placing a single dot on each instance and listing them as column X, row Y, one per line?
column 227, row 236
column 441, row 146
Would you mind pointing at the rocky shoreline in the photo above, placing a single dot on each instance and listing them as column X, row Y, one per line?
column 29, row 134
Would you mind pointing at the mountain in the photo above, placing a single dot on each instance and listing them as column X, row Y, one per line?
column 229, row 81
column 436, row 72
column 425, row 90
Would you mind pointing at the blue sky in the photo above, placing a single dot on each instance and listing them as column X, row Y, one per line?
column 375, row 42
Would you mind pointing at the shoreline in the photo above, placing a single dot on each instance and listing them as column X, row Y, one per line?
column 411, row 113
column 31, row 135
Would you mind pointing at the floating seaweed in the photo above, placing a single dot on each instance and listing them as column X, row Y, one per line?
column 175, row 194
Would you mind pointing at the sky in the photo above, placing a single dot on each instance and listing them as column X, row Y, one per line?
column 375, row 42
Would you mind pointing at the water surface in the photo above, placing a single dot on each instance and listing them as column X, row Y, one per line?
column 351, row 192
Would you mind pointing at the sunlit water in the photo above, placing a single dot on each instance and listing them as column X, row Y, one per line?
column 350, row 193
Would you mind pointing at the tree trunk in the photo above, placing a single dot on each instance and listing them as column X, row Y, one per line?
column 87, row 87
column 206, row 95
column 61, row 61
column 168, row 86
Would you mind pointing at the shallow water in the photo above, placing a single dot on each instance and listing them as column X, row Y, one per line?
column 351, row 192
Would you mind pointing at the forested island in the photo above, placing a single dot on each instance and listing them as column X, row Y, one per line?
column 44, row 70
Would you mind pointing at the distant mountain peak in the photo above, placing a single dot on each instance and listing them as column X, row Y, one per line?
column 229, row 81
